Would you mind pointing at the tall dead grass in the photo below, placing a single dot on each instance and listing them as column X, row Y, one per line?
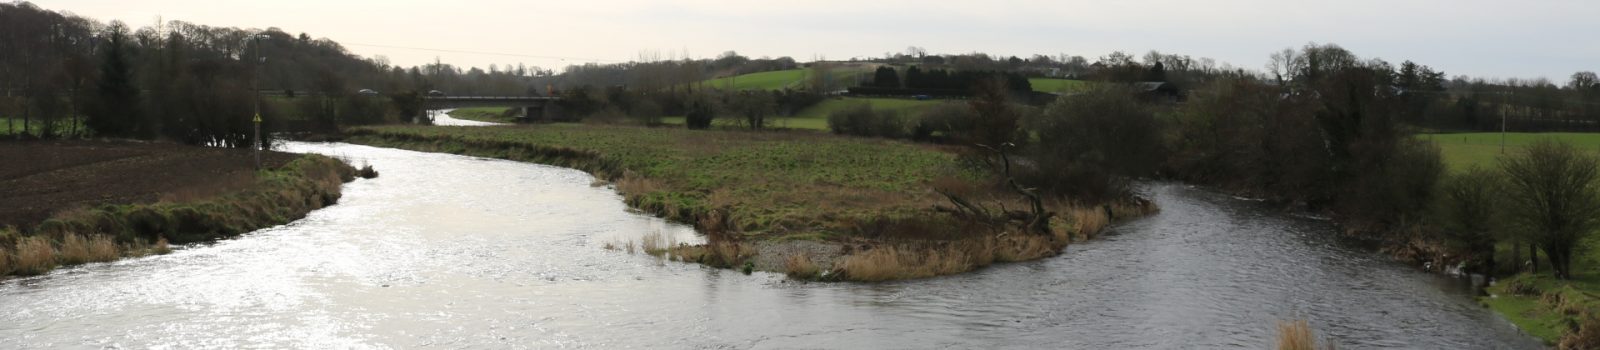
column 5, row 261
column 716, row 254
column 800, row 266
column 1297, row 335
column 1087, row 223
column 912, row 261
column 34, row 256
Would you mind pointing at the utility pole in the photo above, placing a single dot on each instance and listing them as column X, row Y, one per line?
column 255, row 83
column 1502, row 130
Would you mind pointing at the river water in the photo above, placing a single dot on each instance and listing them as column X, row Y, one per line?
column 447, row 251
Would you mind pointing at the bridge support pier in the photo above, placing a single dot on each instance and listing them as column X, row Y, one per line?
column 534, row 114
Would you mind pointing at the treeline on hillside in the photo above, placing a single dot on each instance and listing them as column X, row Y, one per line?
column 653, row 72
column 700, row 107
column 888, row 77
column 65, row 75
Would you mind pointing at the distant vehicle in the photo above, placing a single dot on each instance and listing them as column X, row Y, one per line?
column 435, row 93
column 367, row 92
column 922, row 97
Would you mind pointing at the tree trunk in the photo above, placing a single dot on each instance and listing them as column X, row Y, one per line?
column 1559, row 263
column 1533, row 257
column 1516, row 257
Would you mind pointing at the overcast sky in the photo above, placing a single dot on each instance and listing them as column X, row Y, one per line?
column 1525, row 38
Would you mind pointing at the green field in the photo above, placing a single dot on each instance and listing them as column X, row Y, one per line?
column 774, row 80
column 816, row 117
column 769, row 183
column 782, row 79
column 1461, row 151
column 483, row 114
column 10, row 126
column 1057, row 85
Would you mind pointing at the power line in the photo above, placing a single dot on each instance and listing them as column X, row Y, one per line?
column 562, row 58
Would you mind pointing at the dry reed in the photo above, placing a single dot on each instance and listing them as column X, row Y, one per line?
column 5, row 261
column 1297, row 335
column 162, row 247
column 102, row 248
column 896, row 263
column 34, row 256
column 73, row 250
column 800, row 266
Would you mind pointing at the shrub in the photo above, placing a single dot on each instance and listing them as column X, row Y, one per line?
column 702, row 110
column 366, row 172
column 940, row 123
column 1467, row 210
column 1392, row 185
column 1091, row 144
column 862, row 120
column 646, row 112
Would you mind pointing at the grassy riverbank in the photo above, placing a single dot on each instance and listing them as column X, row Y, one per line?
column 1550, row 309
column 113, row 229
column 812, row 204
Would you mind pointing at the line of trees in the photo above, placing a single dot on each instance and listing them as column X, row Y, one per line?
column 67, row 76
column 941, row 79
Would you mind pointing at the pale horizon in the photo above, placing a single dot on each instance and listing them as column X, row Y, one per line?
column 1545, row 39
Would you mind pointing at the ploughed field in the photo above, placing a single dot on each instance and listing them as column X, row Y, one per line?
column 39, row 178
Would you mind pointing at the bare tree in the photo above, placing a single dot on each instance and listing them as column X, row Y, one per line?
column 1554, row 190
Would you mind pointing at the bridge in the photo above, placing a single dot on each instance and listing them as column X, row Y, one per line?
column 534, row 108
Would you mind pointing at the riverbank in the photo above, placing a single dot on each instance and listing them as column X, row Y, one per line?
column 72, row 202
column 807, row 204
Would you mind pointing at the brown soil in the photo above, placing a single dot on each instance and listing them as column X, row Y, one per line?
column 41, row 178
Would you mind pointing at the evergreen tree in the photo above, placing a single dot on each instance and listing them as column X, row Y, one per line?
column 886, row 77
column 116, row 111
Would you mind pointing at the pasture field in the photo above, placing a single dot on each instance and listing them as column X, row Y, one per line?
column 768, row 183
column 774, row 80
column 783, row 79
column 1462, row 151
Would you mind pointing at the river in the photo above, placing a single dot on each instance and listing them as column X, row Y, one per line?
column 446, row 251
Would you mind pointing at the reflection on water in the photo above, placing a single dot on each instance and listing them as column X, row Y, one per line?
column 442, row 117
column 446, row 251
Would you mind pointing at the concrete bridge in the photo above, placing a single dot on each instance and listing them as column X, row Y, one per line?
column 534, row 108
